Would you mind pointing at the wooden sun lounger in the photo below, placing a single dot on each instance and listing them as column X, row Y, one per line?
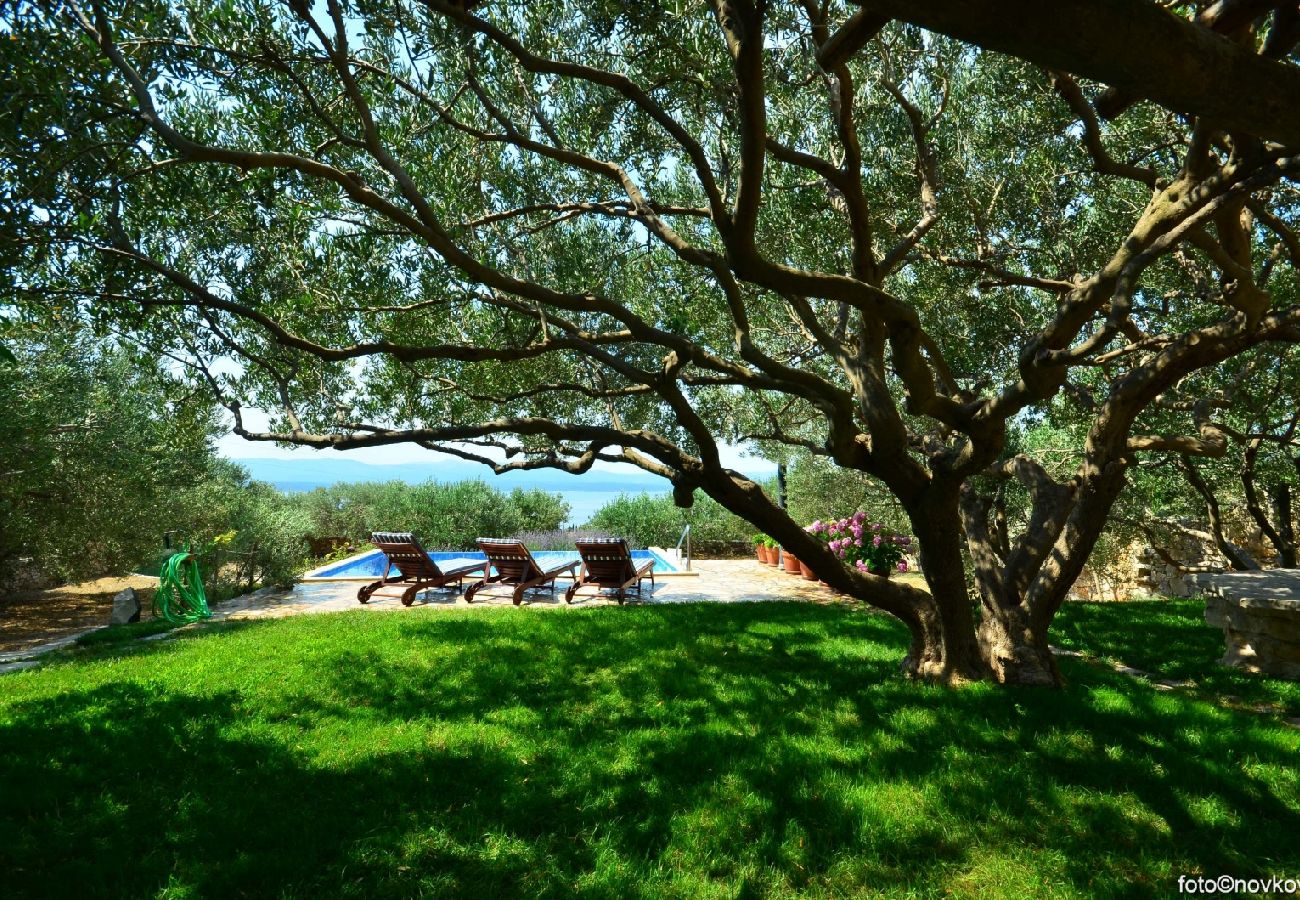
column 416, row 571
column 515, row 567
column 608, row 565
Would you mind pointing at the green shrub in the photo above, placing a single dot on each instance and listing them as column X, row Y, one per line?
column 270, row 538
column 246, row 533
column 445, row 516
column 540, row 510
column 349, row 510
column 711, row 524
column 653, row 520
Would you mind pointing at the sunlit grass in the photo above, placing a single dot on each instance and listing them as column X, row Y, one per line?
column 737, row 750
column 1169, row 638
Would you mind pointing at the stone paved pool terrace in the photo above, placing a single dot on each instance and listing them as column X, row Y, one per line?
column 708, row 581
column 719, row 581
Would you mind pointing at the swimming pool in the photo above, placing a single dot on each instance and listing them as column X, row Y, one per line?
column 369, row 566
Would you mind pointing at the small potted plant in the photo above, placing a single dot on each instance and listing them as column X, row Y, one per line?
column 760, row 547
column 790, row 562
column 773, row 551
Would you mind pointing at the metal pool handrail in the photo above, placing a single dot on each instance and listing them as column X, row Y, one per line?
column 686, row 539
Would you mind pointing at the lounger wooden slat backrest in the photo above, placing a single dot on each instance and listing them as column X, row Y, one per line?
column 607, row 560
column 511, row 559
column 404, row 551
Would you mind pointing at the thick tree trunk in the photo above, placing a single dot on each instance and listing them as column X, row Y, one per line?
column 1286, row 547
column 1280, row 536
column 947, row 645
column 1011, row 650
column 1014, row 652
column 948, row 650
column 1238, row 559
column 944, row 648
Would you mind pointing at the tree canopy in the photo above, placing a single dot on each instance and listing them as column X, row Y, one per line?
column 96, row 448
column 562, row 232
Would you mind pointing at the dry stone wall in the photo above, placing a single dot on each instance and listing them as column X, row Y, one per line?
column 1142, row 572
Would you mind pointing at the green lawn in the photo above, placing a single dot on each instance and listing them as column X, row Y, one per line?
column 1169, row 638
column 738, row 750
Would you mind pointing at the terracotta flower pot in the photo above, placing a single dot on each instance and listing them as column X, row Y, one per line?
column 773, row 556
column 807, row 573
column 791, row 562
column 760, row 551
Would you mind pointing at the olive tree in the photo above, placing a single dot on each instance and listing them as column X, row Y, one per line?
column 1250, row 476
column 549, row 234
column 98, row 450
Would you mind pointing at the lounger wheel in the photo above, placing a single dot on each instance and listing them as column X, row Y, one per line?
column 363, row 595
column 408, row 596
column 473, row 589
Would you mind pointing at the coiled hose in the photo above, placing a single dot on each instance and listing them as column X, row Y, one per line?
column 180, row 598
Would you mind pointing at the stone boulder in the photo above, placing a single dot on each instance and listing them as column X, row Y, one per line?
column 1259, row 613
column 126, row 607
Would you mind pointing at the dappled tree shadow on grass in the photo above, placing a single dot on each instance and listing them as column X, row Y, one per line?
column 755, row 748
column 1172, row 639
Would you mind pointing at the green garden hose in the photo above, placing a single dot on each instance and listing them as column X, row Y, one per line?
column 180, row 598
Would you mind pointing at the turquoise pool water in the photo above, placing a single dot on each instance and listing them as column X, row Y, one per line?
column 372, row 564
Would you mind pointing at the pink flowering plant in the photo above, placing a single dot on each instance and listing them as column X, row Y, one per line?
column 867, row 547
